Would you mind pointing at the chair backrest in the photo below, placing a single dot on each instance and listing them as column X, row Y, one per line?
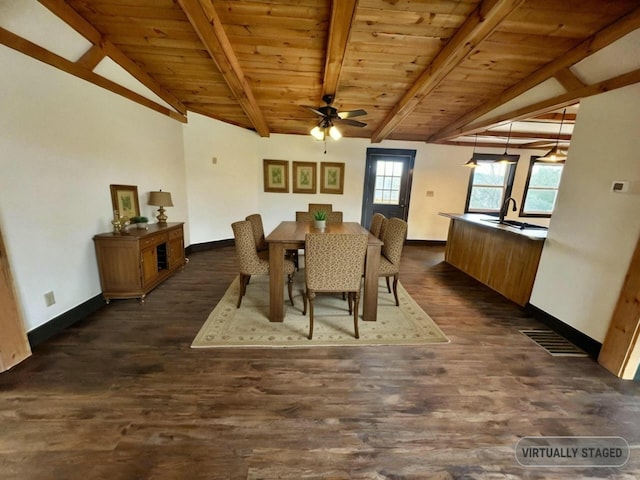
column 258, row 230
column 383, row 228
column 376, row 224
column 394, row 236
column 334, row 217
column 335, row 262
column 304, row 217
column 314, row 207
column 245, row 247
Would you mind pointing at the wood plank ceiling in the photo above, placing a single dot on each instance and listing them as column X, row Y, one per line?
column 423, row 70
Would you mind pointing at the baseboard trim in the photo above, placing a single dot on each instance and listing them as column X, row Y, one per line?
column 56, row 325
column 201, row 247
column 426, row 243
column 586, row 343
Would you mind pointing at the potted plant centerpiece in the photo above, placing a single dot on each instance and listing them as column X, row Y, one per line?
column 140, row 221
column 320, row 219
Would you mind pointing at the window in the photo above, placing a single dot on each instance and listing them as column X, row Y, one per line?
column 388, row 181
column 541, row 189
column 490, row 183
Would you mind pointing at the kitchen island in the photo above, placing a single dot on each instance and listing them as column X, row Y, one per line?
column 502, row 256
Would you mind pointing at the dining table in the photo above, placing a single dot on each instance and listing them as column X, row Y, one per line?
column 289, row 235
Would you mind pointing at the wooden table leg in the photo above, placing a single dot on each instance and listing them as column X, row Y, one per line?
column 370, row 303
column 276, row 282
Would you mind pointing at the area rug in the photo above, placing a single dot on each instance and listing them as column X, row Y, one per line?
column 249, row 326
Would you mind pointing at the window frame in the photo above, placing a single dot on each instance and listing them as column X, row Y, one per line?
column 509, row 179
column 532, row 161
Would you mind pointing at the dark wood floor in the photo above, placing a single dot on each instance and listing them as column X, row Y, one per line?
column 122, row 396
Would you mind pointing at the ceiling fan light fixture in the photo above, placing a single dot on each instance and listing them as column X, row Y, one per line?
column 317, row 133
column 335, row 133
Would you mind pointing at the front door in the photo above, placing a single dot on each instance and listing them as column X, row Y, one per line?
column 387, row 183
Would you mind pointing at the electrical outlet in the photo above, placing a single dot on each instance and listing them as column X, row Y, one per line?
column 49, row 298
column 214, row 160
column 430, row 193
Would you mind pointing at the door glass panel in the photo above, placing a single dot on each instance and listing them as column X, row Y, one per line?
column 388, row 181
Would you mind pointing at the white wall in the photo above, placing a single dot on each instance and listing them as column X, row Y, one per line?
column 594, row 231
column 62, row 142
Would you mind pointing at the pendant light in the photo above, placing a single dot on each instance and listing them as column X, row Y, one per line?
column 505, row 156
column 555, row 154
column 472, row 163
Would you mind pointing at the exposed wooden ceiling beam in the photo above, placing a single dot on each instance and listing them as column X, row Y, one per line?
column 26, row 47
column 554, row 117
column 206, row 23
column 568, row 80
column 91, row 57
column 588, row 47
column 560, row 101
column 342, row 14
column 62, row 10
column 477, row 27
column 539, row 135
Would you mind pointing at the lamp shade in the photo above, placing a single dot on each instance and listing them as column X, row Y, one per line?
column 160, row 199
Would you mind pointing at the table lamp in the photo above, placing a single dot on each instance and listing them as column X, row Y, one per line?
column 160, row 199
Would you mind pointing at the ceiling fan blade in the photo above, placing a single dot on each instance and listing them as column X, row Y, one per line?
column 353, row 123
column 314, row 110
column 352, row 113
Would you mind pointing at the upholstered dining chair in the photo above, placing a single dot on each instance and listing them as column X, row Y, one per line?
column 376, row 224
column 334, row 263
column 383, row 228
column 394, row 237
column 258, row 233
column 334, row 217
column 325, row 207
column 304, row 217
column 250, row 262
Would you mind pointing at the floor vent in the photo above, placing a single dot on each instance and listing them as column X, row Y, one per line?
column 555, row 345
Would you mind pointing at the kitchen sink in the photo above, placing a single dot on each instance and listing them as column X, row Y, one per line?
column 517, row 224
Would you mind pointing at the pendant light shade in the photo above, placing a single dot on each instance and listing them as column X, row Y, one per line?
column 472, row 163
column 505, row 156
column 555, row 154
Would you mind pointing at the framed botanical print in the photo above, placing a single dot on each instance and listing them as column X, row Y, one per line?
column 276, row 176
column 304, row 177
column 331, row 177
column 124, row 199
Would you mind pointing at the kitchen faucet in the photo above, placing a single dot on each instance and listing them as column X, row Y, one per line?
column 505, row 207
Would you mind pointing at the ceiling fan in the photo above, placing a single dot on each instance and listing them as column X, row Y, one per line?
column 329, row 116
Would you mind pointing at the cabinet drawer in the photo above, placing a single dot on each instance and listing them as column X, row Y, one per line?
column 177, row 233
column 153, row 240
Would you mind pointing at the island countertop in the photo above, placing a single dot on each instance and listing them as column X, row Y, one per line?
column 489, row 221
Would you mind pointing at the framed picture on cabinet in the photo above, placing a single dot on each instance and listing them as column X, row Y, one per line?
column 331, row 177
column 124, row 199
column 304, row 177
column 276, row 176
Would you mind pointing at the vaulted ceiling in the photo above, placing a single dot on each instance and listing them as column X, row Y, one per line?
column 438, row 71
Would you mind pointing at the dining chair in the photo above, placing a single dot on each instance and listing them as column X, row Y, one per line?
column 258, row 234
column 250, row 262
column 304, row 217
column 334, row 263
column 376, row 224
column 383, row 228
column 334, row 217
column 325, row 207
column 394, row 237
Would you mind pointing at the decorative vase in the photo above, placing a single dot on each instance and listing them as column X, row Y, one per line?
column 320, row 224
column 141, row 225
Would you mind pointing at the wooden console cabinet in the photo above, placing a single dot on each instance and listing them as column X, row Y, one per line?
column 133, row 264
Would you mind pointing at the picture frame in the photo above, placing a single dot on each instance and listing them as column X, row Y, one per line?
column 331, row 177
column 124, row 199
column 304, row 177
column 276, row 176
